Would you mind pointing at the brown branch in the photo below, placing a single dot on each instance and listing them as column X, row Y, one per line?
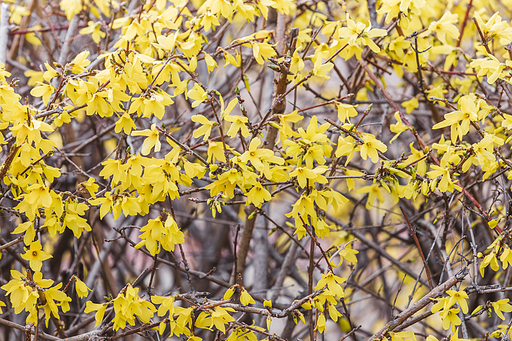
column 13, row 325
column 422, row 303
column 464, row 23
column 413, row 234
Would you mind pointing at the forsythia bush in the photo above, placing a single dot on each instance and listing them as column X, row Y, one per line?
column 259, row 169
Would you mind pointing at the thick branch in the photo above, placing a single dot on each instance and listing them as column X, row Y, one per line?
column 422, row 303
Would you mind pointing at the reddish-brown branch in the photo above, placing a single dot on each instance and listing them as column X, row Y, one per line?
column 413, row 234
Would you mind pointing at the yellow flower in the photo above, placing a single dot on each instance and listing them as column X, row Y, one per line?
column 403, row 336
column 358, row 35
column 166, row 42
column 71, row 7
column 450, row 318
column 410, row 105
column 345, row 111
column 94, row 29
column 129, row 297
column 421, row 167
column 459, row 297
column 51, row 295
column 398, row 127
column 107, row 204
column 221, row 317
column 258, row 195
column 34, row 76
column 460, row 120
column 206, row 126
column 198, row 94
column 304, row 175
column 50, row 72
column 455, row 336
column 490, row 259
column 98, row 308
column 239, row 123
column 286, row 130
column 81, row 288
column 373, row 193
column 370, row 148
column 155, row 104
column 90, row 186
column 35, row 255
column 495, row 28
column 506, row 256
column 125, row 123
column 157, row 234
column 297, row 64
column 392, row 8
column 215, row 152
column 321, row 323
column 27, row 228
column 208, row 20
column 22, row 297
column 333, row 283
column 320, row 69
column 221, row 7
column 246, row 298
column 500, row 306
column 444, row 26
column 349, row 254
column 262, row 50
column 446, row 184
column 347, row 147
column 80, row 62
column 507, row 122
column 256, row 155
column 229, row 293
column 229, row 59
column 30, row 130
column 151, row 141
column 210, row 62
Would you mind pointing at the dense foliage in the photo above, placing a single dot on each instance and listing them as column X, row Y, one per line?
column 259, row 169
